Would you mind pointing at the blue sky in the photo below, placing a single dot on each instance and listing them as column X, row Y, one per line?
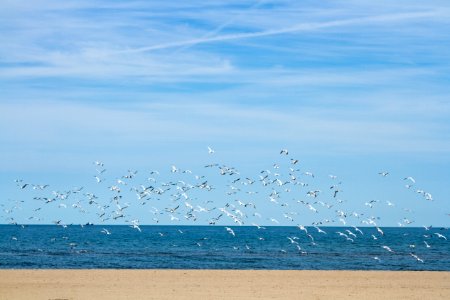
column 351, row 88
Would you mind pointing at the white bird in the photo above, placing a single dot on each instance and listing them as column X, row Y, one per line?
column 313, row 193
column 105, row 231
column 342, row 234
column 257, row 226
column 416, row 257
column 350, row 233
column 292, row 240
column 406, row 221
column 210, row 151
column 440, row 236
column 309, row 174
column 410, row 179
column 172, row 218
column 135, row 225
column 284, row 151
column 320, row 230
column 379, row 230
column 274, row 220
column 387, row 248
column 98, row 163
column 301, row 227
column 426, row 244
column 312, row 208
column 230, row 231
column 357, row 229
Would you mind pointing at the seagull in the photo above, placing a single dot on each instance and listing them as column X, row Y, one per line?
column 387, row 248
column 313, row 193
column 210, row 151
column 257, row 226
column 301, row 227
column 350, row 233
column 410, row 179
column 172, row 218
column 426, row 244
column 274, row 220
column 379, row 230
column 292, row 240
column 309, row 174
column 230, row 231
column 105, row 231
column 284, row 151
column 357, row 229
column 342, row 234
column 98, row 163
column 312, row 208
column 416, row 257
column 406, row 221
column 40, row 186
column 135, row 225
column 320, row 230
column 440, row 235
column 384, row 174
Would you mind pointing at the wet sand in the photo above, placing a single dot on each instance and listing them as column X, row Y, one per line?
column 222, row 284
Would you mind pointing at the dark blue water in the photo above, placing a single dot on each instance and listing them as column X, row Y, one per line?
column 212, row 247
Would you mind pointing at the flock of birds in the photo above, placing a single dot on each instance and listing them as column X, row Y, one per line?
column 285, row 188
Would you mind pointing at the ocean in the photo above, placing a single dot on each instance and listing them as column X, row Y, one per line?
column 215, row 247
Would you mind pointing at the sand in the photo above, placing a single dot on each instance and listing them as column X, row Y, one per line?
column 222, row 284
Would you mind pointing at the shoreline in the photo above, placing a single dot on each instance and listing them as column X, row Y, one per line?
column 221, row 284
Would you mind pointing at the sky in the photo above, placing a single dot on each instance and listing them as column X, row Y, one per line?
column 350, row 88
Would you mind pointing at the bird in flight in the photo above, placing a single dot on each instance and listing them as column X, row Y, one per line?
column 416, row 257
column 105, row 231
column 230, row 231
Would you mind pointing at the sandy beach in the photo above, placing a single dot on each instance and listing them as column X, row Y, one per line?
column 221, row 284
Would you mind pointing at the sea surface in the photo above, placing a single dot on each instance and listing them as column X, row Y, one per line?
column 213, row 247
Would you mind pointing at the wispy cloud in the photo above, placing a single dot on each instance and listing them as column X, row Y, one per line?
column 275, row 65
column 295, row 28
